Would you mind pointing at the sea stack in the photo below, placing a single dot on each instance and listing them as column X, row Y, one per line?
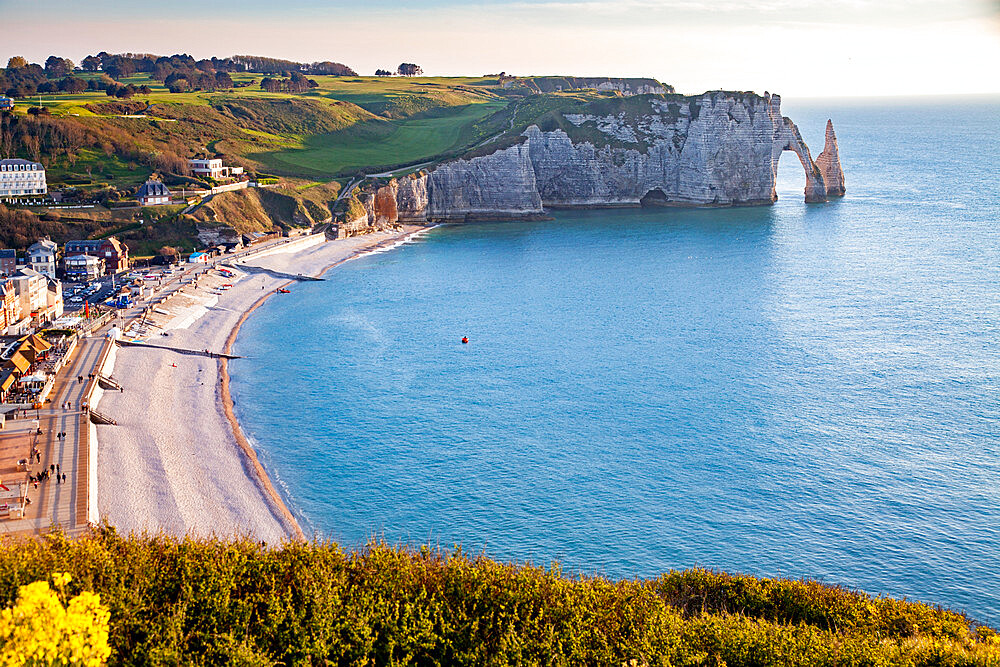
column 829, row 163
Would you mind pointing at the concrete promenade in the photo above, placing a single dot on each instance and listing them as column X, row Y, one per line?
column 52, row 503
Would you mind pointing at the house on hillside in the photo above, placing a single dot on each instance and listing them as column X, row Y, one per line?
column 6, row 103
column 42, row 257
column 21, row 178
column 213, row 168
column 153, row 193
column 8, row 261
column 111, row 250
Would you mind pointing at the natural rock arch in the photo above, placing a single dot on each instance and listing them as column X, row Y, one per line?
column 789, row 139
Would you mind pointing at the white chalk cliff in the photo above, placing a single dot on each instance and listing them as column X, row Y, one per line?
column 714, row 149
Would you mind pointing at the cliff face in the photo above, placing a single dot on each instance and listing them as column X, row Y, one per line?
column 412, row 199
column 715, row 149
column 500, row 185
column 829, row 164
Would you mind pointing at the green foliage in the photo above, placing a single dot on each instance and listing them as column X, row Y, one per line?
column 215, row 602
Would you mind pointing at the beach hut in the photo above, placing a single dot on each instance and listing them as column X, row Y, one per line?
column 198, row 258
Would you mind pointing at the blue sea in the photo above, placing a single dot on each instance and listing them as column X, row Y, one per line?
column 795, row 390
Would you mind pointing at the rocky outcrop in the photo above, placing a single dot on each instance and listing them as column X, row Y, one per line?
column 215, row 236
column 369, row 210
column 412, row 199
column 715, row 149
column 829, row 164
column 383, row 206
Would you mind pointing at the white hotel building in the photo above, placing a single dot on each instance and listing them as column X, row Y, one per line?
column 20, row 178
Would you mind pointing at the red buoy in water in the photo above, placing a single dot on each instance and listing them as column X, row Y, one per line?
column 465, row 340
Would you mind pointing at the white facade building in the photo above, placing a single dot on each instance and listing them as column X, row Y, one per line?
column 83, row 267
column 21, row 178
column 40, row 297
column 213, row 169
column 54, row 300
column 31, row 288
column 42, row 257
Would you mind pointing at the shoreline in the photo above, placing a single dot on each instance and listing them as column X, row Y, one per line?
column 226, row 398
column 179, row 460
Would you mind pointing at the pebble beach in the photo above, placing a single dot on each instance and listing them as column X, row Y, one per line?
column 174, row 462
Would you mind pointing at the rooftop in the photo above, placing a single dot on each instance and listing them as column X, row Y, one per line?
column 153, row 189
column 43, row 244
column 15, row 162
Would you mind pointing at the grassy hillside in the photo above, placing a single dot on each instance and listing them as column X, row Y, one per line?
column 97, row 147
column 380, row 145
column 222, row 603
column 258, row 209
column 345, row 124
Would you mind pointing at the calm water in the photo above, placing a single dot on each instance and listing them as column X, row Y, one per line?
column 805, row 391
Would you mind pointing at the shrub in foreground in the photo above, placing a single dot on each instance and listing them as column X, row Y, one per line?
column 217, row 602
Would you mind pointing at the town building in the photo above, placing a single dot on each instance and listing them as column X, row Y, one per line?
column 22, row 359
column 111, row 250
column 82, row 268
column 55, row 307
column 6, row 103
column 8, row 261
column 214, row 169
column 42, row 257
column 12, row 322
column 21, row 178
column 153, row 193
column 40, row 297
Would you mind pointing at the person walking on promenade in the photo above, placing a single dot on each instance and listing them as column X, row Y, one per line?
column 64, row 478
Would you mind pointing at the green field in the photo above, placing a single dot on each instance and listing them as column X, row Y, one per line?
column 377, row 123
column 378, row 145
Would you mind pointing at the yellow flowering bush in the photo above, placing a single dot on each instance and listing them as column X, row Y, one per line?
column 39, row 630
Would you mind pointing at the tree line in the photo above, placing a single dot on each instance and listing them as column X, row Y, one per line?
column 296, row 83
column 404, row 69
column 179, row 72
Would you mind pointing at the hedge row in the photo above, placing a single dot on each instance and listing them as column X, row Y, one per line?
column 216, row 602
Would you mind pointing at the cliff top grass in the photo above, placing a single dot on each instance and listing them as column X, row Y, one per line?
column 344, row 125
column 217, row 602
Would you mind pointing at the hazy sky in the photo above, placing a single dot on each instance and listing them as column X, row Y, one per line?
column 794, row 47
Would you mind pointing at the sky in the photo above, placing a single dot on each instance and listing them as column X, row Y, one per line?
column 805, row 48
